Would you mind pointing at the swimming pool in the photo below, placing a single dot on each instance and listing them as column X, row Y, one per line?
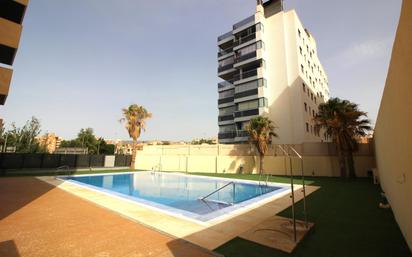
column 197, row 197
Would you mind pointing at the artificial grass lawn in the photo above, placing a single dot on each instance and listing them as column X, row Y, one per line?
column 348, row 223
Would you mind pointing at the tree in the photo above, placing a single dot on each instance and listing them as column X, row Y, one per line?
column 104, row 148
column 261, row 130
column 134, row 120
column 24, row 138
column 342, row 121
column 87, row 139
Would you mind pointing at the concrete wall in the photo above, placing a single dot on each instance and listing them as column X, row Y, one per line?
column 393, row 139
column 319, row 159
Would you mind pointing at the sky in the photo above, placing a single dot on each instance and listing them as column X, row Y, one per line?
column 81, row 61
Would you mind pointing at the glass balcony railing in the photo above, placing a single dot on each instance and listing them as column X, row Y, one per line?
column 245, row 75
column 225, row 51
column 244, row 22
column 244, row 39
column 224, row 68
column 225, row 84
column 226, row 100
column 246, row 113
column 225, row 36
column 226, row 135
column 225, row 118
column 244, row 57
column 242, row 133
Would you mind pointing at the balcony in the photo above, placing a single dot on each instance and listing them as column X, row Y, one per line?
column 242, row 133
column 224, row 84
column 245, row 39
column 226, row 135
column 245, row 75
column 226, row 67
column 247, row 93
column 225, row 36
column 244, row 22
column 226, row 100
column 225, row 51
column 246, row 113
column 225, row 118
column 5, row 79
column 12, row 11
column 245, row 57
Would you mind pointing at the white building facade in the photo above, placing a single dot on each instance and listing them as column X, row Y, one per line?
column 269, row 67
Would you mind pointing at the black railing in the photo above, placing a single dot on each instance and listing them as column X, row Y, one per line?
column 16, row 161
column 246, row 113
column 245, row 57
column 225, row 118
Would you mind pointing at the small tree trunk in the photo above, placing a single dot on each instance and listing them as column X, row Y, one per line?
column 342, row 162
column 132, row 165
column 261, row 164
column 351, row 164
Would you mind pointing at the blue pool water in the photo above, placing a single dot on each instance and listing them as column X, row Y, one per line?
column 179, row 193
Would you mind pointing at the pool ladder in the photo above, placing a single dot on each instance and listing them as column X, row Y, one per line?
column 217, row 190
column 156, row 168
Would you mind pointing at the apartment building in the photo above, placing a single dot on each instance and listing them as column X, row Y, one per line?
column 50, row 142
column 269, row 66
column 11, row 18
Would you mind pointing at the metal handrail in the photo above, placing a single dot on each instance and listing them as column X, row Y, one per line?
column 63, row 168
column 217, row 190
column 292, row 191
column 303, row 185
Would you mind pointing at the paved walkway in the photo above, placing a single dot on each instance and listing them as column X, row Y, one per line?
column 38, row 219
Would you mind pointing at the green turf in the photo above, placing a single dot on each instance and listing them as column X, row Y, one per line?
column 348, row 223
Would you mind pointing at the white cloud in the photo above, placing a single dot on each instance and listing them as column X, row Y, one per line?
column 364, row 51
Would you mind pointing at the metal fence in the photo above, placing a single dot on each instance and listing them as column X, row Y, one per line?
column 17, row 161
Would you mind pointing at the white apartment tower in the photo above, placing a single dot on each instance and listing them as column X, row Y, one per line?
column 269, row 67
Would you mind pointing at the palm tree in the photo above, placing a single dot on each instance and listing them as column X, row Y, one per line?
column 342, row 121
column 261, row 131
column 134, row 119
column 356, row 125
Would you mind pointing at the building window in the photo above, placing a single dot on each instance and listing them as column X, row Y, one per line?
column 311, row 129
column 299, row 33
column 304, row 87
column 306, row 107
column 311, row 96
column 302, row 69
column 300, row 50
column 313, row 113
column 307, row 127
